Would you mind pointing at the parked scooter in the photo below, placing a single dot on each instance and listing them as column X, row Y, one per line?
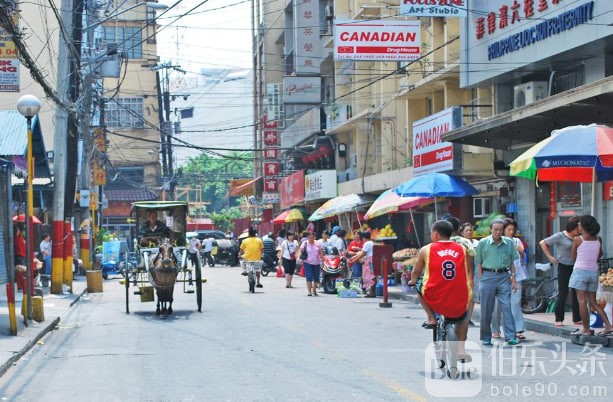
column 333, row 267
column 271, row 261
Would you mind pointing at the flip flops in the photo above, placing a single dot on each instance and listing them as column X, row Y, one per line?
column 606, row 333
column 496, row 335
column 559, row 324
column 580, row 332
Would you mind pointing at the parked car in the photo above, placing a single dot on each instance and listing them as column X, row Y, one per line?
column 227, row 251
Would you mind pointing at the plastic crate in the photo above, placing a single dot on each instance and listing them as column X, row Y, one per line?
column 604, row 264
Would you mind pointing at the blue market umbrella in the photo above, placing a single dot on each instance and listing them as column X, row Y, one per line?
column 435, row 185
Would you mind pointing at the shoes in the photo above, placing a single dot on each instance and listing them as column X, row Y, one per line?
column 606, row 332
column 520, row 336
column 471, row 323
column 428, row 325
column 244, row 273
column 309, row 294
column 496, row 335
column 487, row 342
column 512, row 342
column 465, row 358
column 559, row 324
column 315, row 294
column 578, row 322
column 287, row 286
column 581, row 332
column 259, row 285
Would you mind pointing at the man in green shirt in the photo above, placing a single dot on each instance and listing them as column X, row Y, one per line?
column 494, row 257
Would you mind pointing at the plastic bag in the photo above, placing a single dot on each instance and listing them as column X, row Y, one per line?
column 542, row 267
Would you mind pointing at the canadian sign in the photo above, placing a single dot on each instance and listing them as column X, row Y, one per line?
column 433, row 8
column 376, row 40
column 430, row 154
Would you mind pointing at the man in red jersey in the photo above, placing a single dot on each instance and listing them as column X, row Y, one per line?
column 444, row 287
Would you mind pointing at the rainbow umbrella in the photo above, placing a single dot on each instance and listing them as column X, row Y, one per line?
column 389, row 202
column 340, row 205
column 291, row 215
column 576, row 153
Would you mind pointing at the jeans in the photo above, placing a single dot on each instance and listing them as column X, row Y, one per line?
column 496, row 286
column 564, row 273
column 356, row 270
column 518, row 316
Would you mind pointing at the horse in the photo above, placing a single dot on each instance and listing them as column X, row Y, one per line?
column 163, row 271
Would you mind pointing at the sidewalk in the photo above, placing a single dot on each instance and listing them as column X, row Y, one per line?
column 55, row 307
column 539, row 322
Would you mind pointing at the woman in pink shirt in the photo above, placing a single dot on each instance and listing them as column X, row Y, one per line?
column 586, row 250
column 312, row 262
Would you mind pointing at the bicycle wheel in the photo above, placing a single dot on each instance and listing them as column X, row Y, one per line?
column 451, row 351
column 198, row 269
column 533, row 301
column 251, row 280
column 438, row 339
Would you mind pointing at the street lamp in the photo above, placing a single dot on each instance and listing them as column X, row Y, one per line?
column 28, row 106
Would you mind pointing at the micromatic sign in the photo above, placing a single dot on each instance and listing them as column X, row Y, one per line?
column 553, row 26
column 546, row 163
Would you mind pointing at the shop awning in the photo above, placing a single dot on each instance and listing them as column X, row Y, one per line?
column 239, row 189
column 529, row 124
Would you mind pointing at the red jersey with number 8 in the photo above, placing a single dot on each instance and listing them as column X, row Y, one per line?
column 445, row 285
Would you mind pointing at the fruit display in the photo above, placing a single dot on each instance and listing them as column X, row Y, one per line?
column 606, row 279
column 382, row 233
column 482, row 227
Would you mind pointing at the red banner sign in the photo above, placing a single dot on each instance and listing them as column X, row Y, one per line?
column 292, row 189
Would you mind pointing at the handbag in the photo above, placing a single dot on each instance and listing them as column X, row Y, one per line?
column 303, row 253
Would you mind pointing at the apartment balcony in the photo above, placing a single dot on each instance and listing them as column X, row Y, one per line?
column 337, row 114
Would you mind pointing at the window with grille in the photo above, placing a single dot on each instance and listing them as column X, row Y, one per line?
column 129, row 40
column 124, row 113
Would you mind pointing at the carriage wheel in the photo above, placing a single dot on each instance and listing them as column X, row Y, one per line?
column 198, row 270
column 127, row 279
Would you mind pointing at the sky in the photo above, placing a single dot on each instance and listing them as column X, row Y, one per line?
column 215, row 36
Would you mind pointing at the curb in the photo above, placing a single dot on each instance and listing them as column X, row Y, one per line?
column 31, row 343
column 531, row 325
column 10, row 362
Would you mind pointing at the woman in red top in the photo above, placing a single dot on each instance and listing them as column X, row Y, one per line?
column 352, row 249
column 20, row 245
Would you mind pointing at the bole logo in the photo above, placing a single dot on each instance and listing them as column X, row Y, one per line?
column 445, row 378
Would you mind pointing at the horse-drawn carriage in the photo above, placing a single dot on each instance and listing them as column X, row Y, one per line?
column 162, row 255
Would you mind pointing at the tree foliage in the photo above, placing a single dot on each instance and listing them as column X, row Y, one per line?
column 213, row 175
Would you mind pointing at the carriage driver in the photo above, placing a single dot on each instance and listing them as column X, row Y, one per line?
column 153, row 229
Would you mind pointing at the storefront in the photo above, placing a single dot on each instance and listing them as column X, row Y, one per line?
column 547, row 70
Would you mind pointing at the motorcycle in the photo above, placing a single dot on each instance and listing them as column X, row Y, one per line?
column 271, row 261
column 333, row 267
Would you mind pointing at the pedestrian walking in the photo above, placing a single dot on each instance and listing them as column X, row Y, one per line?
column 466, row 231
column 369, row 280
column 310, row 257
column 510, row 230
column 494, row 256
column 194, row 249
column 287, row 257
column 586, row 251
column 563, row 242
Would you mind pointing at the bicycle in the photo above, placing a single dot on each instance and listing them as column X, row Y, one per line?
column 535, row 296
column 251, row 267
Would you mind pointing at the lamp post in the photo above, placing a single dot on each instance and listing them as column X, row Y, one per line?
column 28, row 106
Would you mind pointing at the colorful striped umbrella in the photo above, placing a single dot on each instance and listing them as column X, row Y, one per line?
column 340, row 205
column 291, row 215
column 576, row 153
column 389, row 202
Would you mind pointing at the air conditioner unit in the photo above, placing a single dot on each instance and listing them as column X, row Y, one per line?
column 529, row 92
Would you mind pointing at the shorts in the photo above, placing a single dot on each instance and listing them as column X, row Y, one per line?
column 289, row 266
column 311, row 272
column 582, row 279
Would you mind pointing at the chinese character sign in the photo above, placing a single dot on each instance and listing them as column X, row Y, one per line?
column 271, row 169
column 271, row 137
column 306, row 42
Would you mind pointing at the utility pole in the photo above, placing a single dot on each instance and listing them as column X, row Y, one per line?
column 60, row 149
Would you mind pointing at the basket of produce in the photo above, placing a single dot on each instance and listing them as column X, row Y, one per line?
column 606, row 282
column 405, row 254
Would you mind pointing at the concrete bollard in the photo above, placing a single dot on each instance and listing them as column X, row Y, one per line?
column 38, row 313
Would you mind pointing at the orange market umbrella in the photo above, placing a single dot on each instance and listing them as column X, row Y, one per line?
column 291, row 215
column 389, row 202
column 22, row 218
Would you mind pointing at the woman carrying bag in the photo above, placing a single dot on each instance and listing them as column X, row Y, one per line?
column 310, row 256
column 287, row 257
